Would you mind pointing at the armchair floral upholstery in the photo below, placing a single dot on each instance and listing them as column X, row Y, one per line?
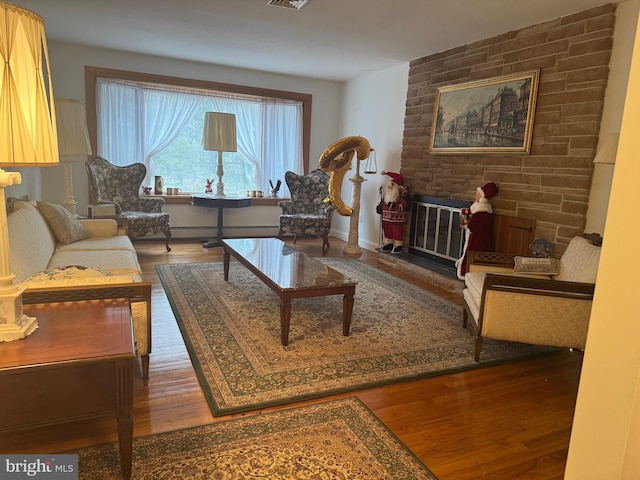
column 309, row 211
column 120, row 186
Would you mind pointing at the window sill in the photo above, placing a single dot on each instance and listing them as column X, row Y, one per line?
column 186, row 200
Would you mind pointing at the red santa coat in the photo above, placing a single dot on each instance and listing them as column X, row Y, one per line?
column 478, row 233
column 393, row 218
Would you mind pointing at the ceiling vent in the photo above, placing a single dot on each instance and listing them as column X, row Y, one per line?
column 295, row 4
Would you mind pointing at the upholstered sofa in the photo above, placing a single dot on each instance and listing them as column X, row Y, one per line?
column 540, row 301
column 55, row 255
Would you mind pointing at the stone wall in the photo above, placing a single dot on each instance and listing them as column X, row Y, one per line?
column 550, row 184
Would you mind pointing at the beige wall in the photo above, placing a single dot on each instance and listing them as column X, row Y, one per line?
column 373, row 107
column 605, row 438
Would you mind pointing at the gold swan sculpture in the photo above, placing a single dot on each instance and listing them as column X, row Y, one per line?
column 336, row 159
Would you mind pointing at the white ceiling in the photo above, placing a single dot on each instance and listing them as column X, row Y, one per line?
column 328, row 39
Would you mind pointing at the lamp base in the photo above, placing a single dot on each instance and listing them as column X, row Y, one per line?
column 14, row 324
column 23, row 327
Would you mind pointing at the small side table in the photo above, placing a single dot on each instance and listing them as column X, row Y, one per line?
column 78, row 364
column 219, row 203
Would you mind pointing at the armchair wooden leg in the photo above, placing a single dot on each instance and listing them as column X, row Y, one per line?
column 478, row 348
column 167, row 234
column 325, row 243
column 144, row 359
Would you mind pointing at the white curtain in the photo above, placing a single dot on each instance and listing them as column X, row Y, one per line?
column 247, row 125
column 119, row 127
column 166, row 115
column 283, row 144
column 136, row 122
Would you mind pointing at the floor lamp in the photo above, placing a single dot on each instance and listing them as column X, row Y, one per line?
column 27, row 137
column 220, row 135
column 73, row 142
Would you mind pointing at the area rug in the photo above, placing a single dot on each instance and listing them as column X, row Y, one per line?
column 398, row 332
column 340, row 439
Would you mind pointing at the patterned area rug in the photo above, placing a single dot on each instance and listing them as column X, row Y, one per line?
column 398, row 332
column 333, row 440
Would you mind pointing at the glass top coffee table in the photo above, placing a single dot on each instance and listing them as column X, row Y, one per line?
column 291, row 274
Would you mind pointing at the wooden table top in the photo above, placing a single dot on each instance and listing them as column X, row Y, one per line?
column 282, row 264
column 72, row 332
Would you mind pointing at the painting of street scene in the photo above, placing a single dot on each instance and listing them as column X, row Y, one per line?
column 487, row 116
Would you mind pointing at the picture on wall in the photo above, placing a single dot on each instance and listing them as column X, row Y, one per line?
column 494, row 115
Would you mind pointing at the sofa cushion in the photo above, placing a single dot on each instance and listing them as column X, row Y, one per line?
column 536, row 265
column 31, row 243
column 98, row 244
column 579, row 262
column 64, row 225
column 100, row 227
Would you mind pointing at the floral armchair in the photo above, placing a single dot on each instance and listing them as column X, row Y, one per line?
column 309, row 211
column 120, row 186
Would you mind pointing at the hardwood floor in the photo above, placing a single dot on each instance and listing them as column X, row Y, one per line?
column 503, row 422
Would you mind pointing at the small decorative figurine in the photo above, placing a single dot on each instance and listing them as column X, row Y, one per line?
column 207, row 188
column 146, row 190
column 274, row 190
column 159, row 184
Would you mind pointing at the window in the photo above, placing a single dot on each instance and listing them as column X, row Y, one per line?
column 158, row 121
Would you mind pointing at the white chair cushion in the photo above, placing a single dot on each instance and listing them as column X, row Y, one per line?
column 474, row 282
column 579, row 263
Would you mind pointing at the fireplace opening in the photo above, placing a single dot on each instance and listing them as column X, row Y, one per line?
column 435, row 234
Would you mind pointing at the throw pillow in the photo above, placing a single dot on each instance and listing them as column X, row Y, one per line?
column 579, row 262
column 537, row 265
column 64, row 225
column 11, row 201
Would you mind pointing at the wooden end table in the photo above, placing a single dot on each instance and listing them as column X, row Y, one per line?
column 78, row 364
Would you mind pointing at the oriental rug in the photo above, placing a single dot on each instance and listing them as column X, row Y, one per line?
column 341, row 439
column 399, row 332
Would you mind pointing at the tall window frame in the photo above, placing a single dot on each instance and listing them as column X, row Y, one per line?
column 93, row 73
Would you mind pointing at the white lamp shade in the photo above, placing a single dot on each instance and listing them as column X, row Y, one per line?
column 27, row 116
column 219, row 132
column 608, row 150
column 73, row 137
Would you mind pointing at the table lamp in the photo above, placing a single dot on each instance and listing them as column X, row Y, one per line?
column 27, row 137
column 73, row 142
column 220, row 134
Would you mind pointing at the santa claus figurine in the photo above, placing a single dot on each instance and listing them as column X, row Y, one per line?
column 393, row 206
column 478, row 226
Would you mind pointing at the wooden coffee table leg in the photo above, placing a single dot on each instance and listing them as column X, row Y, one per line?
column 347, row 310
column 226, row 258
column 285, row 320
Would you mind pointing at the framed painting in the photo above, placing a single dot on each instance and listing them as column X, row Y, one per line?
column 494, row 115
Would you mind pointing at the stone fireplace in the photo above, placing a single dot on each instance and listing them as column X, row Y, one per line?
column 549, row 185
column 435, row 232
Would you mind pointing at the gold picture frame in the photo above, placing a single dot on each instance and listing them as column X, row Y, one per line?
column 494, row 115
